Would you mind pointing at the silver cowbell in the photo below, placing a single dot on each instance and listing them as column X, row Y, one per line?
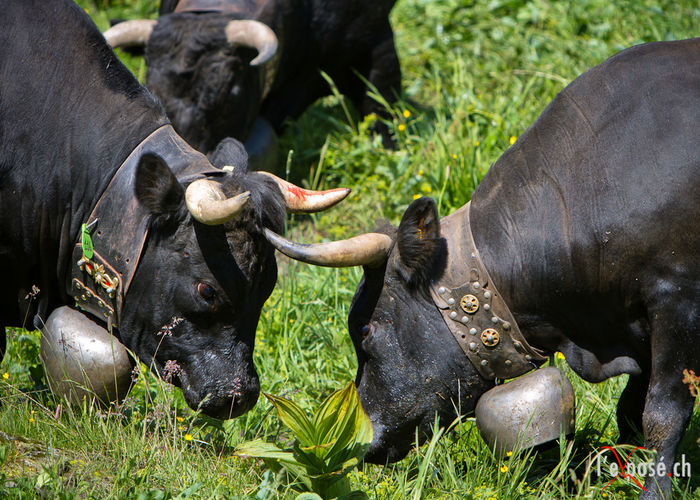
column 531, row 410
column 82, row 360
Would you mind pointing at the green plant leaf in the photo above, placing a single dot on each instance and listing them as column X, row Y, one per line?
column 258, row 448
column 353, row 495
column 354, row 428
column 308, row 496
column 295, row 418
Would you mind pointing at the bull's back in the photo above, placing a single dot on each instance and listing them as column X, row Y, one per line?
column 601, row 192
column 70, row 112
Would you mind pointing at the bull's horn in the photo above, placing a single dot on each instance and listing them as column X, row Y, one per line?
column 253, row 34
column 132, row 33
column 368, row 249
column 208, row 204
column 304, row 201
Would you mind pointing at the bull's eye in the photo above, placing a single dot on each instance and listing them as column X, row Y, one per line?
column 366, row 331
column 207, row 292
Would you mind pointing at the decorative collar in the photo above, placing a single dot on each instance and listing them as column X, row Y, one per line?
column 474, row 311
column 119, row 227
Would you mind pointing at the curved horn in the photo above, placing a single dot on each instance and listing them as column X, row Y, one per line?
column 367, row 249
column 132, row 33
column 253, row 34
column 208, row 204
column 305, row 201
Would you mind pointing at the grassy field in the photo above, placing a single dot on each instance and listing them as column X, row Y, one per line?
column 476, row 74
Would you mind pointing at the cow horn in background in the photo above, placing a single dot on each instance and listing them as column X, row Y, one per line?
column 305, row 201
column 253, row 34
column 368, row 249
column 209, row 205
column 132, row 33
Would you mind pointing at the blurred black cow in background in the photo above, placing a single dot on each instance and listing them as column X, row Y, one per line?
column 202, row 62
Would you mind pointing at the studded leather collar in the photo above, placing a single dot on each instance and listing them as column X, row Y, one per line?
column 474, row 311
column 119, row 226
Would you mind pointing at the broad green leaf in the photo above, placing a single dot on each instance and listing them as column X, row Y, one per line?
column 332, row 410
column 308, row 496
column 353, row 495
column 295, row 418
column 262, row 449
column 355, row 432
column 314, row 465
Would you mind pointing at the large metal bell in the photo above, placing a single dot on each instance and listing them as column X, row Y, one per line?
column 82, row 360
column 531, row 410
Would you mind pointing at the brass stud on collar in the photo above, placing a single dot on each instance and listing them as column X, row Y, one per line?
column 490, row 337
column 469, row 304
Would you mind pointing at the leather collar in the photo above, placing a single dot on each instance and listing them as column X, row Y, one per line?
column 119, row 227
column 474, row 311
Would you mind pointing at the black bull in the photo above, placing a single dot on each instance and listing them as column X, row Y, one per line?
column 589, row 226
column 199, row 65
column 78, row 132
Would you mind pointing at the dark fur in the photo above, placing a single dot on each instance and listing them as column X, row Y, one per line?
column 418, row 241
column 588, row 226
column 210, row 92
column 70, row 114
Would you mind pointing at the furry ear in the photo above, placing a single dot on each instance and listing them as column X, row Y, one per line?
column 157, row 188
column 418, row 241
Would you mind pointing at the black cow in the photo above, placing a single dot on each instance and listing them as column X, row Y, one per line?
column 180, row 268
column 201, row 65
column 589, row 228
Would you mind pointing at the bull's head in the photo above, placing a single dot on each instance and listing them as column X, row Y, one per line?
column 203, row 276
column 409, row 365
column 204, row 69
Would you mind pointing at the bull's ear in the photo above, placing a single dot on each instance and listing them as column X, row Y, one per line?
column 418, row 241
column 157, row 188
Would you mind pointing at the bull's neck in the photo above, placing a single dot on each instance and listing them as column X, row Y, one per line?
column 76, row 114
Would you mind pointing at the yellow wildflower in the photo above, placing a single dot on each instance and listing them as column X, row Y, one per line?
column 188, row 437
column 402, row 127
column 504, row 468
column 476, row 143
column 180, row 428
column 454, row 156
column 416, row 196
column 509, row 454
column 5, row 375
column 31, row 420
column 512, row 139
column 406, row 113
column 180, row 419
column 560, row 355
column 420, row 172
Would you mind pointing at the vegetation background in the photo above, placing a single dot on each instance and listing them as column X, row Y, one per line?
column 476, row 74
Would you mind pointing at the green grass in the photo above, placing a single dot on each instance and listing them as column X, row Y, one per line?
column 476, row 75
